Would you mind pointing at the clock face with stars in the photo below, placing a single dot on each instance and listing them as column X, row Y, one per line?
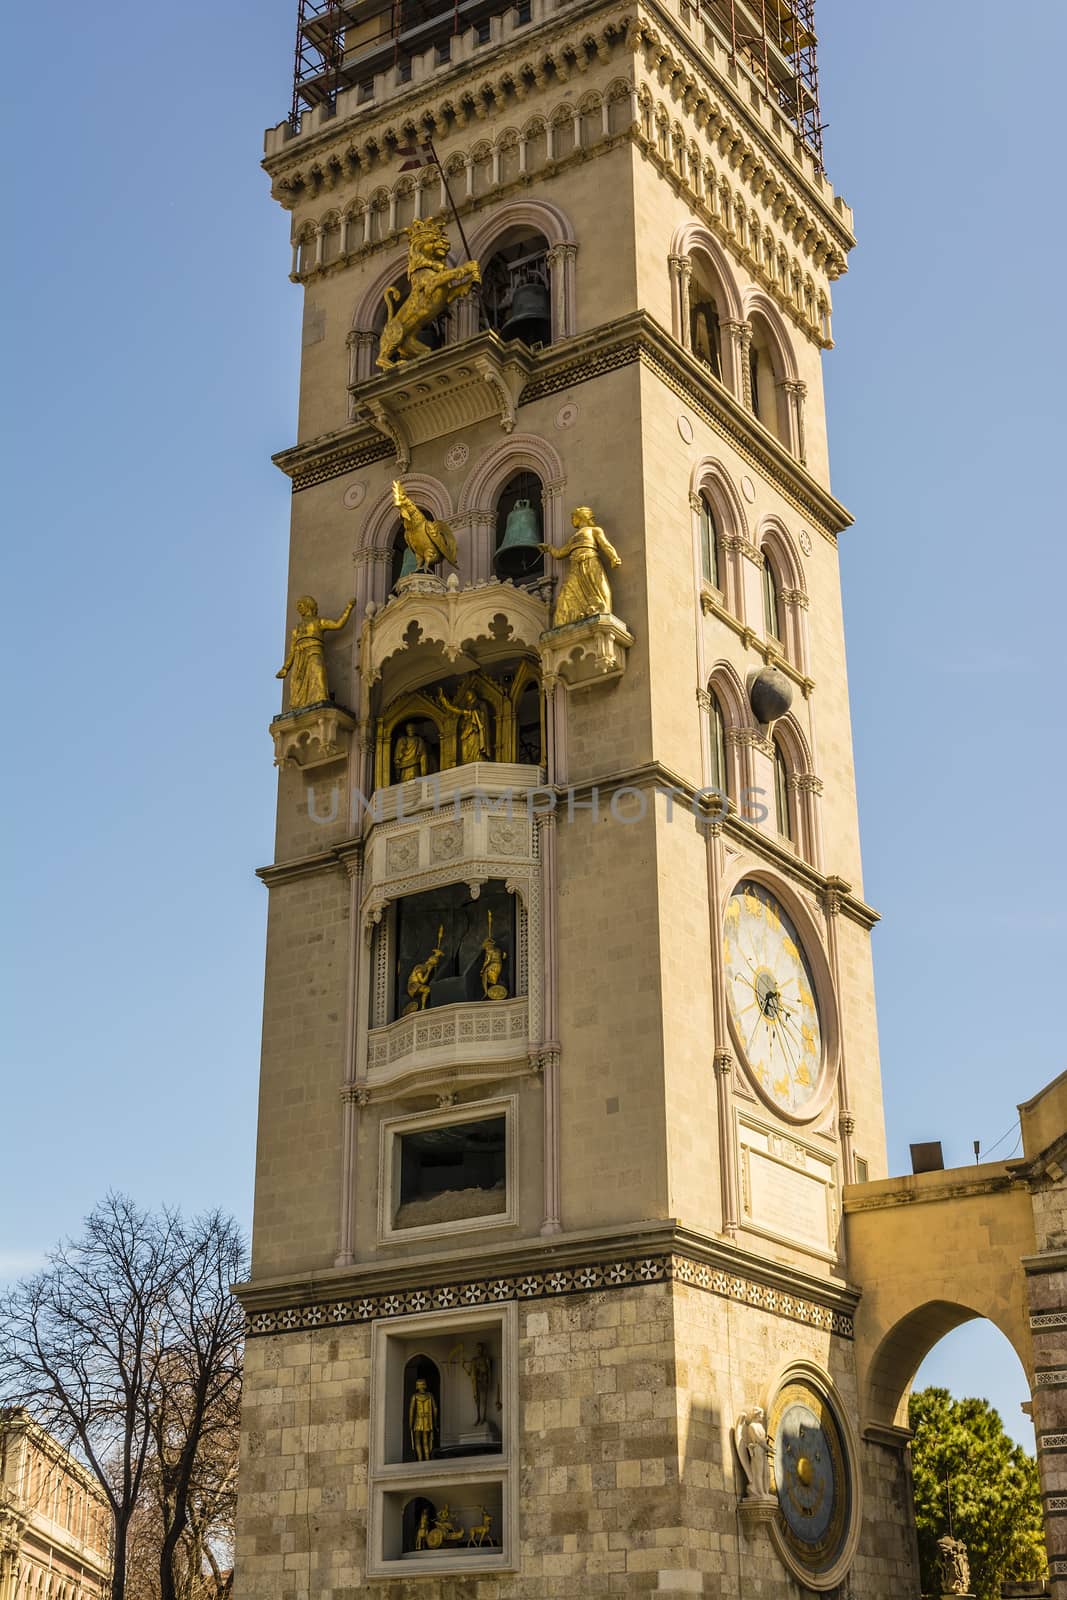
column 811, row 1478
column 770, row 992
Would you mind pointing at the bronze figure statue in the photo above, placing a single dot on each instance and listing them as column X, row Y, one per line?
column 432, row 288
column 410, row 757
column 493, row 959
column 473, row 730
column 422, row 1421
column 428, row 541
column 421, row 975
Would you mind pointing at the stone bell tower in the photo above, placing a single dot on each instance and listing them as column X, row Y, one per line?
column 569, row 1039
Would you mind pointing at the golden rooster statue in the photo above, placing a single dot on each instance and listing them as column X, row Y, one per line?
column 429, row 542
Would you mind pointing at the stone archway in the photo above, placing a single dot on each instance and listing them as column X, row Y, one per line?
column 937, row 1249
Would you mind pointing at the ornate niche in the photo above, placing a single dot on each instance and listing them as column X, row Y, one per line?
column 443, row 1489
column 479, row 716
column 451, row 966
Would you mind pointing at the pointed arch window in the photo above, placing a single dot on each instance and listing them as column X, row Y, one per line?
column 782, row 819
column 717, row 775
column 709, row 544
column 772, row 621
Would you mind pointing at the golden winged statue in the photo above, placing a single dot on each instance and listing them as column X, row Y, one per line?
column 432, row 288
column 429, row 542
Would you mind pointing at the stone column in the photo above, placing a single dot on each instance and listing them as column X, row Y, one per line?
column 730, row 339
column 744, row 345
column 564, row 299
column 722, row 1056
column 795, row 392
column 836, row 888
column 353, row 1094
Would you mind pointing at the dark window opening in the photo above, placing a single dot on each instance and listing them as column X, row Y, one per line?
column 704, row 335
column 443, row 52
column 753, row 378
column 483, row 32
column 709, row 544
column 516, row 292
column 454, row 1172
column 523, row 12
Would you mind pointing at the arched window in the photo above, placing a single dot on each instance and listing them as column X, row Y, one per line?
column 516, row 296
column 772, row 619
column 705, row 339
column 520, row 560
column 782, row 819
column 398, row 557
column 717, row 775
column 709, row 544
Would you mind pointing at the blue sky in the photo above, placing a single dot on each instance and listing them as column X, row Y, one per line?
column 154, row 336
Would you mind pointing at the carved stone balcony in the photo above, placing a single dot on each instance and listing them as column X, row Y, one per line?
column 581, row 654
column 445, row 393
column 313, row 736
column 472, row 1040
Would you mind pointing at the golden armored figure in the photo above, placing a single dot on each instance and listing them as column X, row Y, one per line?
column 428, row 541
column 410, row 757
column 492, row 965
column 432, row 287
column 419, row 977
column 585, row 591
column 305, row 665
column 422, row 1421
column 473, row 724
column 422, row 1532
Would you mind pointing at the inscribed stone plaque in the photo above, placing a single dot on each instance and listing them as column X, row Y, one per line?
column 787, row 1201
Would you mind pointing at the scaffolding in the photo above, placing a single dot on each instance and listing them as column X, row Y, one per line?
column 341, row 44
column 775, row 40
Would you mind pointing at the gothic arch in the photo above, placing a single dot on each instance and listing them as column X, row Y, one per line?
column 429, row 494
column 695, row 236
column 710, row 478
column 760, row 305
column 369, row 305
column 538, row 214
column 772, row 532
column 477, row 501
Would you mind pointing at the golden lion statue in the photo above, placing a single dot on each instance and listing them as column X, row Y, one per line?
column 433, row 286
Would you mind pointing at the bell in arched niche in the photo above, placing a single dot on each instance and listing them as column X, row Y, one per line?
column 520, row 553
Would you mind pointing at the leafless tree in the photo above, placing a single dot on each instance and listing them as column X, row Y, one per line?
column 127, row 1347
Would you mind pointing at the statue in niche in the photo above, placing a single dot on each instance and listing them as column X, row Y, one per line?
column 479, row 1370
column 422, row 1532
column 422, row 1423
column 421, row 975
column 493, row 959
column 411, row 758
column 585, row 591
column 482, row 1532
column 305, row 665
column 429, row 542
column 444, row 1530
column 473, row 729
column 432, row 288
column 754, row 1448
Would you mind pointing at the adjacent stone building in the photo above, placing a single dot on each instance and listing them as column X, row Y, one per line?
column 55, row 1523
column 569, row 1051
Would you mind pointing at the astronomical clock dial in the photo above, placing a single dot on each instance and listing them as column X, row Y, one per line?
column 771, row 996
column 811, row 1476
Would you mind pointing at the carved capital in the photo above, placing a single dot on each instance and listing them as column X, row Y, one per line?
column 355, row 1094
column 703, row 700
column 847, row 1123
column 833, row 894
column 794, row 597
column 722, row 1063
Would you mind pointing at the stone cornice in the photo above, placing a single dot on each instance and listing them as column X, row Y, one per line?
column 590, row 1261
column 634, row 337
column 362, row 139
column 960, row 1183
column 650, row 775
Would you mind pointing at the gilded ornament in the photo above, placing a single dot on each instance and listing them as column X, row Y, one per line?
column 305, row 665
column 585, row 591
column 433, row 287
column 473, row 726
column 428, row 541
column 493, row 959
column 422, row 1421
column 411, row 756
column 421, row 976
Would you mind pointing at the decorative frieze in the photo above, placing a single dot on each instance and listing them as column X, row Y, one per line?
column 597, row 1275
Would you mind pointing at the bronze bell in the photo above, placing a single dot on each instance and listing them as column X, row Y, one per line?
column 531, row 315
column 518, row 554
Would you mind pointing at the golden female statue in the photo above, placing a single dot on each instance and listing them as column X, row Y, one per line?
column 420, row 976
column 585, row 591
column 473, row 724
column 305, row 665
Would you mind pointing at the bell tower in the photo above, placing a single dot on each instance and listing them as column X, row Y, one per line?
column 569, row 1038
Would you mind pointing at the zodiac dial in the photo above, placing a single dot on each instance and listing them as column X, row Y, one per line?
column 771, row 996
column 811, row 1477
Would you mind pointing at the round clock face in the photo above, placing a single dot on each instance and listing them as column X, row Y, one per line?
column 771, row 996
column 811, row 1477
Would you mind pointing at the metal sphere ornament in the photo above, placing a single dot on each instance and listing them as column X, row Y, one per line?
column 770, row 694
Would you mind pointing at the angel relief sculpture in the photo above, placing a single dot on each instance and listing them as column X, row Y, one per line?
column 433, row 287
column 754, row 1450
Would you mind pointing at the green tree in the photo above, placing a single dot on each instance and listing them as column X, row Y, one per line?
column 960, row 1447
